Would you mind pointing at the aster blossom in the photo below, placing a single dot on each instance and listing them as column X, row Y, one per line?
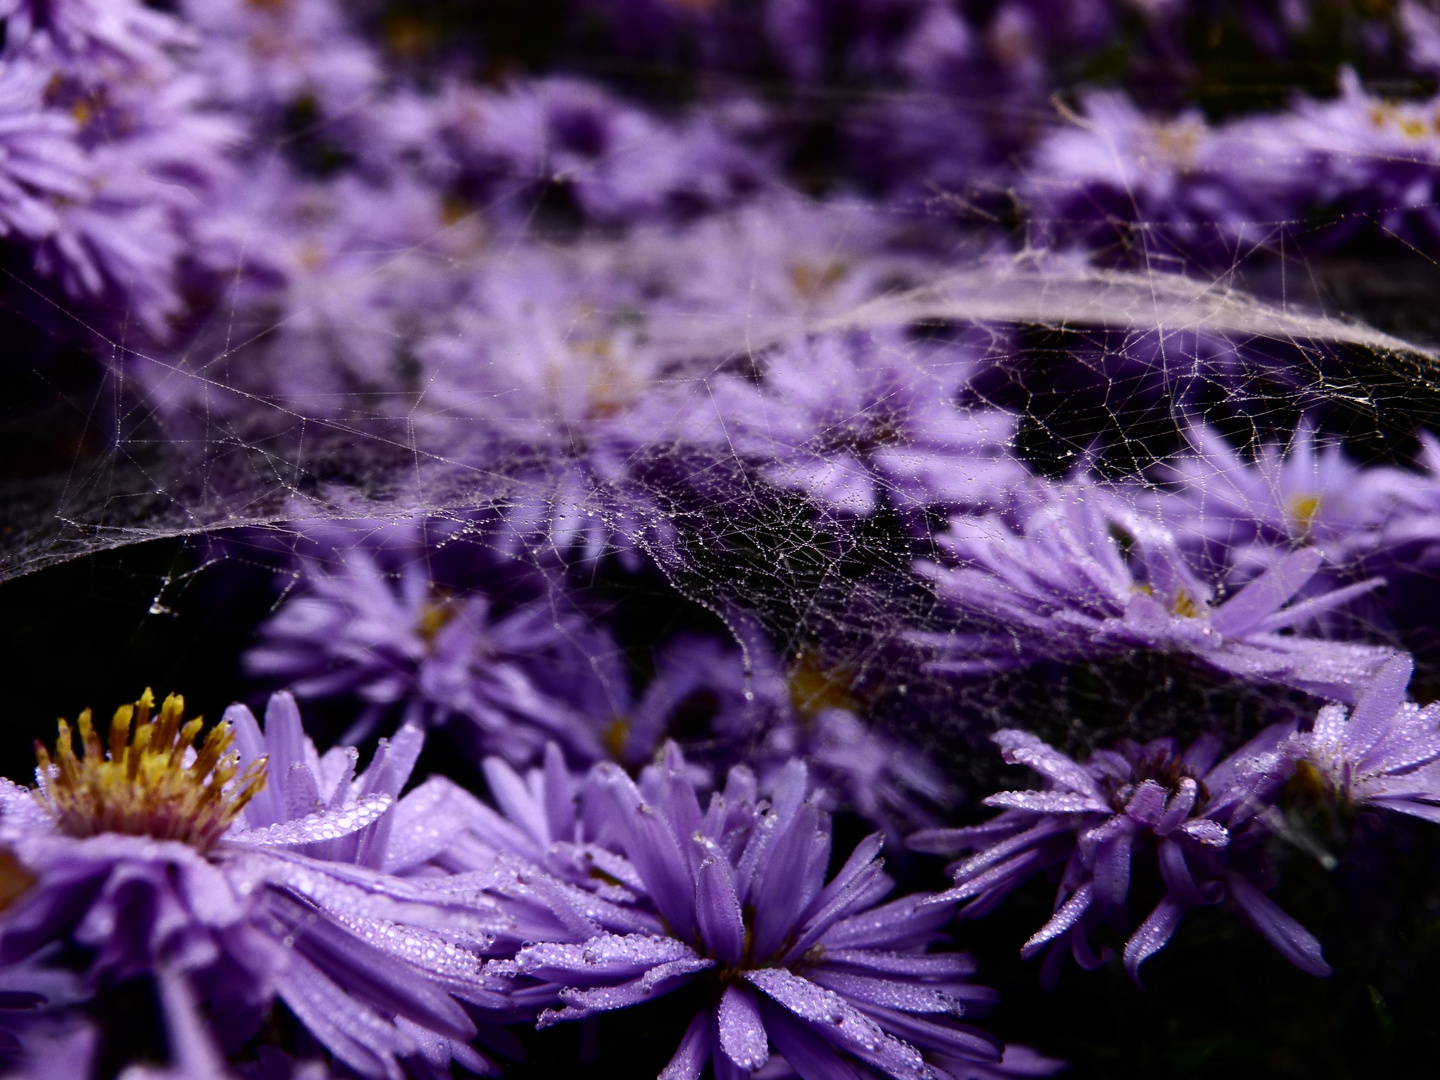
column 852, row 418
column 157, row 860
column 1380, row 753
column 837, row 982
column 1062, row 586
column 1195, row 819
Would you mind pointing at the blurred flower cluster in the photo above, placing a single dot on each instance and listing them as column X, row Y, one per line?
column 738, row 481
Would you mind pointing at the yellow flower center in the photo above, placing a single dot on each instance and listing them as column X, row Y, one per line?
column 1303, row 509
column 145, row 786
column 815, row 686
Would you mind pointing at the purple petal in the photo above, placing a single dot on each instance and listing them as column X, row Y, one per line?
column 1293, row 941
column 1046, row 802
column 740, row 1029
column 693, row 1051
column 1112, row 870
column 800, row 996
column 1377, row 706
column 780, row 898
column 1147, row 804
column 1064, row 918
column 655, row 852
column 888, row 993
column 559, row 795
column 1022, row 748
column 332, row 824
column 1249, row 607
column 718, row 911
column 1153, row 934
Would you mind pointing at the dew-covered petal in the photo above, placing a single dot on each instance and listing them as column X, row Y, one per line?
column 718, row 911
column 1153, row 934
column 890, row 993
column 329, row 824
column 739, row 1027
column 693, row 1051
column 1066, row 916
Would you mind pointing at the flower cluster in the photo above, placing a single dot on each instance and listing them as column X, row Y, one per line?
column 741, row 415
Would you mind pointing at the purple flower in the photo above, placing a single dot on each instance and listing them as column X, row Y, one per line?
column 42, row 165
column 268, row 56
column 851, row 418
column 1061, row 586
column 156, row 859
column 1195, row 818
column 1252, row 511
column 97, row 31
column 1379, row 754
column 405, row 641
column 620, row 163
column 824, row 973
column 1139, row 187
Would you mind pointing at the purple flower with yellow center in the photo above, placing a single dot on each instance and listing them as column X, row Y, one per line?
column 1251, row 512
column 1063, row 586
column 1197, row 820
column 155, row 858
column 1381, row 753
column 835, row 981
column 404, row 641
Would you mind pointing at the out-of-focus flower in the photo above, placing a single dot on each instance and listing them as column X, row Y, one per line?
column 851, row 419
column 91, row 31
column 1063, row 586
column 1140, row 188
column 154, row 862
column 1194, row 817
column 269, row 56
column 618, row 162
column 1376, row 754
column 406, row 642
column 1250, row 512
column 817, row 970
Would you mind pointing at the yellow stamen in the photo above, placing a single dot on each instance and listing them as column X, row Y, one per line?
column 146, row 787
column 14, row 879
column 1303, row 509
column 814, row 686
column 1185, row 605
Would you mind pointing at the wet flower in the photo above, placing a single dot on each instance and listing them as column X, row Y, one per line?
column 1064, row 586
column 232, row 890
column 1195, row 821
column 824, row 973
column 1377, row 753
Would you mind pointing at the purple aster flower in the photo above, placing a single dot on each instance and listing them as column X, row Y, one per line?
column 1140, row 187
column 1379, row 754
column 90, row 31
column 1194, row 818
column 849, row 418
column 620, row 163
column 160, row 859
column 1253, row 511
column 42, row 165
column 1061, row 586
column 394, row 642
column 268, row 56
column 831, row 978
